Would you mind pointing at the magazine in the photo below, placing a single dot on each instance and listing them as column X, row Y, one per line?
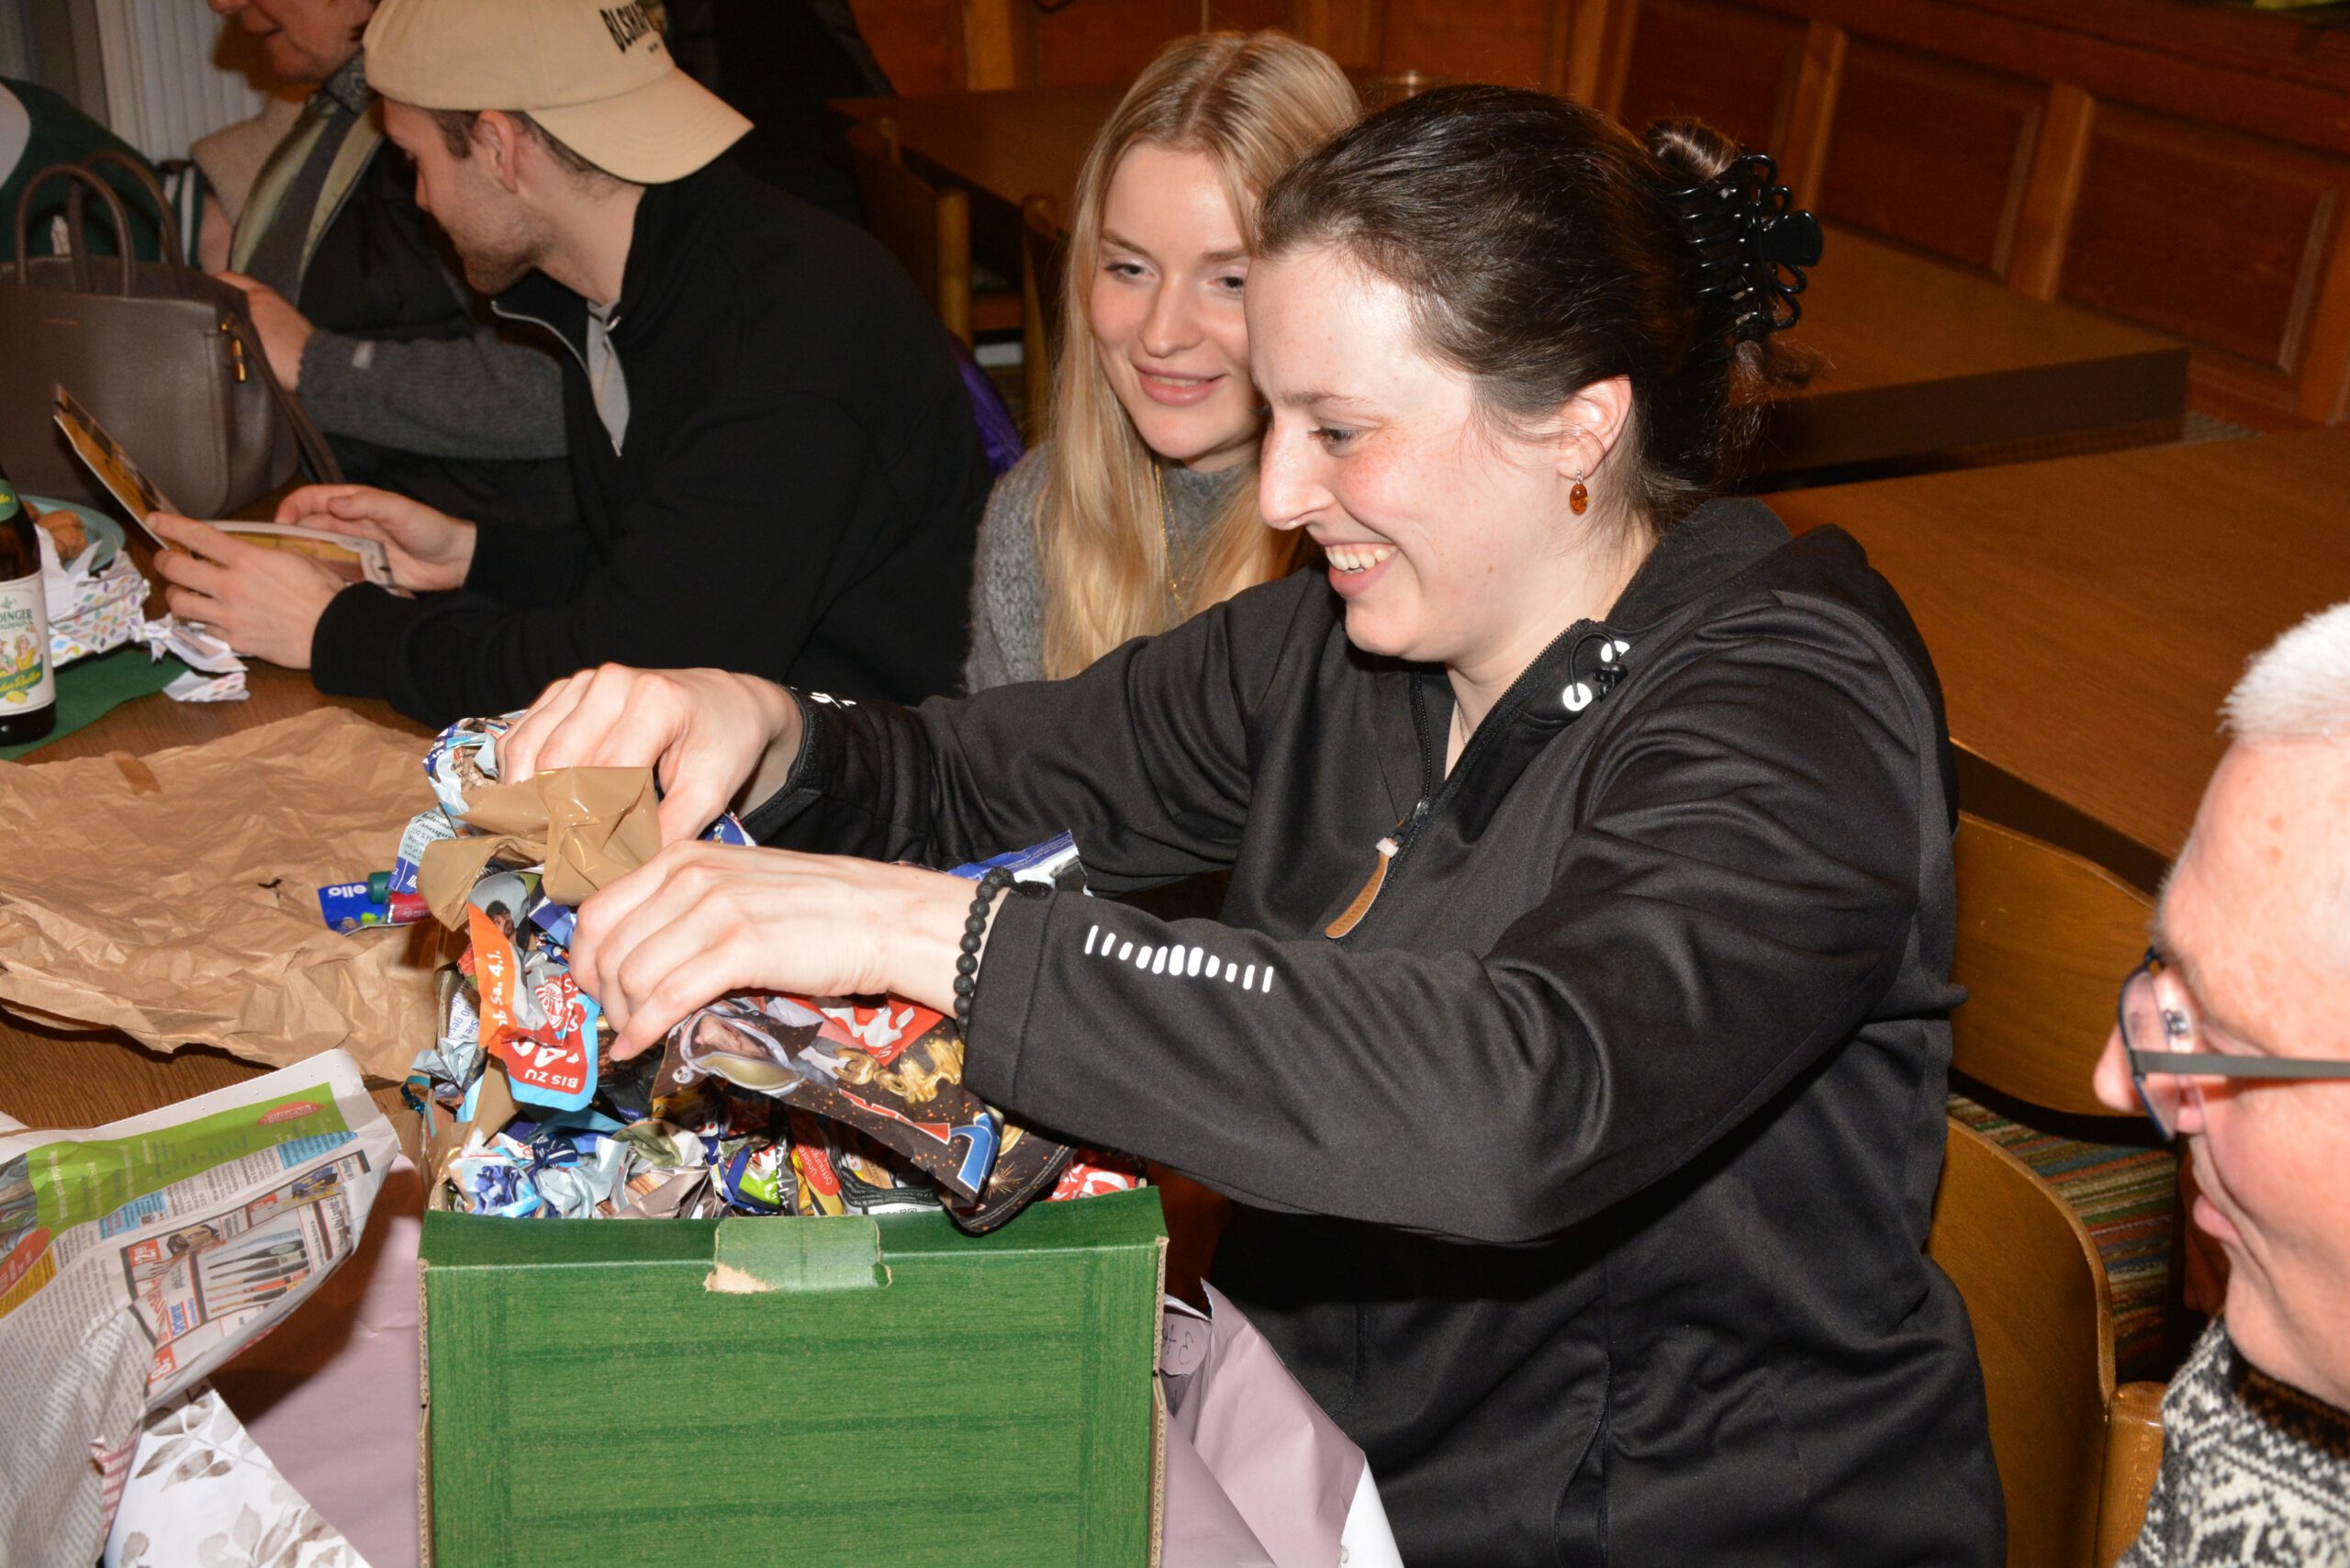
column 358, row 560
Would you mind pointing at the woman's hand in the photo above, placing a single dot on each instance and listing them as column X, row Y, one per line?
column 712, row 738
column 430, row 551
column 700, row 920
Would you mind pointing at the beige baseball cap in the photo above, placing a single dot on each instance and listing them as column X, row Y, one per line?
column 594, row 72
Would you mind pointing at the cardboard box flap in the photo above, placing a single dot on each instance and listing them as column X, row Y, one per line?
column 754, row 1255
column 468, row 1242
column 1115, row 1220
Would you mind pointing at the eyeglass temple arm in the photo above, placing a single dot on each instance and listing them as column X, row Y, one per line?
column 2210, row 1064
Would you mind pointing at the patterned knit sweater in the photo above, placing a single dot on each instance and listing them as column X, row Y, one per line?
column 2253, row 1472
column 1008, row 583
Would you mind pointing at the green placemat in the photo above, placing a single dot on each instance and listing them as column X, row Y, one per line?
column 88, row 688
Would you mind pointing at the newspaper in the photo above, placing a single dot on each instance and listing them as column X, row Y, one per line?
column 137, row 1256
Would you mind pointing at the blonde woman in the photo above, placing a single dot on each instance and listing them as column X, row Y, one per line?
column 1140, row 507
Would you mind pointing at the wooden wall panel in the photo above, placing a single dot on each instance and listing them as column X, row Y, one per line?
column 918, row 42
column 2215, row 238
column 1095, row 43
column 1932, row 153
column 1489, row 40
column 1731, row 65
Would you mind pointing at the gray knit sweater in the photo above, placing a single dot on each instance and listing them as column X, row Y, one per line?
column 2253, row 1472
column 1008, row 583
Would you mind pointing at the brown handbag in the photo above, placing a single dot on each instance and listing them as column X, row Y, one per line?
column 162, row 356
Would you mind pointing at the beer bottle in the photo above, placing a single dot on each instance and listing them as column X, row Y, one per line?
column 28, row 689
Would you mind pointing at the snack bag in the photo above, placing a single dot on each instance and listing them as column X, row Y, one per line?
column 893, row 1072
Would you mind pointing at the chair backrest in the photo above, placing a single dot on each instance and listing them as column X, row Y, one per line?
column 2035, row 1292
column 1040, row 297
column 928, row 229
column 2044, row 938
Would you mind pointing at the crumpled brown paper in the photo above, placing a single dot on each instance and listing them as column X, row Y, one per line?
column 589, row 825
column 174, row 897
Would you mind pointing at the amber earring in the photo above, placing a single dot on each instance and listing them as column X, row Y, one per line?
column 1579, row 499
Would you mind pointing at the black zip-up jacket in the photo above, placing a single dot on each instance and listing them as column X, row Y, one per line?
column 1585, row 1182
column 797, row 497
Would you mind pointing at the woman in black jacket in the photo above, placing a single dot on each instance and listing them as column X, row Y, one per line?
column 1572, row 1042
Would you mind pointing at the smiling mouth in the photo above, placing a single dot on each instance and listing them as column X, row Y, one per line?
column 1351, row 558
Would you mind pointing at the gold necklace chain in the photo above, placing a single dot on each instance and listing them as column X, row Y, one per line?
column 1178, row 588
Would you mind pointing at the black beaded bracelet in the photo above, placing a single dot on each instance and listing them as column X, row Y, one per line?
column 975, row 930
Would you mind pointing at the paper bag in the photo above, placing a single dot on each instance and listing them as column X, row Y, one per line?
column 1257, row 1475
column 174, row 897
column 587, row 825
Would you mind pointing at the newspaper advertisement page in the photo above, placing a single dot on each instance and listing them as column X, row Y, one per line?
column 137, row 1256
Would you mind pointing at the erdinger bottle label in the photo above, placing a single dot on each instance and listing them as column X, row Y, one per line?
column 25, row 684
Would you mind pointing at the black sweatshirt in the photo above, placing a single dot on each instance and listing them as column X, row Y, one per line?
column 1585, row 1182
column 797, row 497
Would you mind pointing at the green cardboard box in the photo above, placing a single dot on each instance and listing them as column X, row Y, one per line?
column 855, row 1390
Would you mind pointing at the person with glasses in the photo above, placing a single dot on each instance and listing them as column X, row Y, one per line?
column 2235, row 1036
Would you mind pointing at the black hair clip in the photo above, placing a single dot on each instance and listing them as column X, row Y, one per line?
column 1751, row 244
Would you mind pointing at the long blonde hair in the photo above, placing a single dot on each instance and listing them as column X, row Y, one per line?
column 1253, row 104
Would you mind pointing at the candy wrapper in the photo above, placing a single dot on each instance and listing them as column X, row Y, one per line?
column 759, row 1104
column 893, row 1072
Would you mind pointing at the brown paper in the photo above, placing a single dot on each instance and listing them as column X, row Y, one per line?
column 181, row 906
column 589, row 825
column 493, row 1108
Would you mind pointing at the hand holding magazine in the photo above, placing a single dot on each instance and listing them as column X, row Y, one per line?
column 356, row 560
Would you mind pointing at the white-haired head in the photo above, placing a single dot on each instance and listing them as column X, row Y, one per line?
column 2298, row 688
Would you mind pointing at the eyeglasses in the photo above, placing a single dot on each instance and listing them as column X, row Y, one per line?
column 2158, row 1007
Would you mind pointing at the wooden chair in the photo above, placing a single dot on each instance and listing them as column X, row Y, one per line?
column 2043, row 940
column 1040, row 292
column 927, row 227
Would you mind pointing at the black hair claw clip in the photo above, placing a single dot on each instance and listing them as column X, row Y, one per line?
column 1752, row 245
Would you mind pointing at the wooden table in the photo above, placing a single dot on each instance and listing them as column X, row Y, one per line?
column 1926, row 360
column 53, row 1078
column 2088, row 616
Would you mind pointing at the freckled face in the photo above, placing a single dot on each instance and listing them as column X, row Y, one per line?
column 1165, row 309
column 1442, row 533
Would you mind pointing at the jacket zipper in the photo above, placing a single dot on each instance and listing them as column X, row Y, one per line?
column 1433, row 795
column 503, row 314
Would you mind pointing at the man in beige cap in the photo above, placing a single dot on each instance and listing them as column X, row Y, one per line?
column 776, row 464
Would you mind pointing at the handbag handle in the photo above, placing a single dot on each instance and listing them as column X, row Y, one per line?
column 79, row 178
column 167, row 223
column 317, row 455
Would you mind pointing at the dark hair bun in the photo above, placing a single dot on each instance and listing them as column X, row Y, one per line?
column 1691, row 149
